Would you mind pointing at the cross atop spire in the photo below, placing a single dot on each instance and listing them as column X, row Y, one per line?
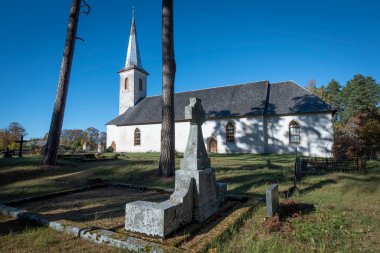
column 133, row 53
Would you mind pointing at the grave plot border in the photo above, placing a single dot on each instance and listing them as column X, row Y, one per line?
column 107, row 237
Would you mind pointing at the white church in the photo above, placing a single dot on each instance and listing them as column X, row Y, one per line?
column 256, row 117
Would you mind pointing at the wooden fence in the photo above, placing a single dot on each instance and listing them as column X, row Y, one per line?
column 15, row 152
column 357, row 165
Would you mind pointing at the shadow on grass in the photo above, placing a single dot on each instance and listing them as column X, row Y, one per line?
column 361, row 179
column 15, row 226
column 21, row 173
column 291, row 191
column 141, row 169
column 28, row 177
column 95, row 207
column 248, row 167
column 246, row 182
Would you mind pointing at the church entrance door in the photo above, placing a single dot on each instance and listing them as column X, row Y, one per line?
column 113, row 145
column 212, row 146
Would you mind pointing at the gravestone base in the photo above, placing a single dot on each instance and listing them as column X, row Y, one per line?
column 208, row 195
column 197, row 196
column 160, row 219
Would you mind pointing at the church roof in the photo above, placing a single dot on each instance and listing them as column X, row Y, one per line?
column 243, row 100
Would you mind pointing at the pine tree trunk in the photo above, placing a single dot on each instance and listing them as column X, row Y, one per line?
column 51, row 150
column 167, row 159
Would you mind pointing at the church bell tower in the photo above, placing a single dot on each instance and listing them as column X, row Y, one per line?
column 133, row 78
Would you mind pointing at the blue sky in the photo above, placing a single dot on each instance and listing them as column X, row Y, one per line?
column 217, row 42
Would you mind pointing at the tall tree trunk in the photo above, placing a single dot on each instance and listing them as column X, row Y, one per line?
column 167, row 159
column 52, row 144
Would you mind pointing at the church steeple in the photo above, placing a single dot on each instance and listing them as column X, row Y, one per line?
column 133, row 53
column 133, row 78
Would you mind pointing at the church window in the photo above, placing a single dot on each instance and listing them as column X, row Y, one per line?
column 140, row 85
column 126, row 84
column 230, row 132
column 137, row 137
column 294, row 132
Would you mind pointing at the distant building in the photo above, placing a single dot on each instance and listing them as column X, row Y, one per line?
column 257, row 117
column 86, row 147
column 100, row 147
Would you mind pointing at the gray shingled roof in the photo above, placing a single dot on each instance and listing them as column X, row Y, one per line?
column 241, row 100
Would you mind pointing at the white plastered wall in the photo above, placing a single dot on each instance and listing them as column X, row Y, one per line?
column 316, row 135
column 129, row 97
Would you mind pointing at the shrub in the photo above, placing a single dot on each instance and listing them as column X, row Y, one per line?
column 346, row 147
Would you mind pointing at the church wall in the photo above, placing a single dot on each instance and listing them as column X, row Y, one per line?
column 123, row 136
column 249, row 137
column 316, row 136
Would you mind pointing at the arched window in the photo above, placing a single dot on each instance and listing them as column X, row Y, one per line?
column 137, row 137
column 126, row 84
column 294, row 132
column 230, row 132
column 140, row 85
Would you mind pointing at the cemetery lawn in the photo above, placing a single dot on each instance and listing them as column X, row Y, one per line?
column 347, row 215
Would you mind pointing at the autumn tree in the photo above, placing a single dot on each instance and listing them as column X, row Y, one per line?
column 92, row 136
column 320, row 92
column 167, row 158
column 103, row 137
column 359, row 137
column 51, row 149
column 311, row 85
column 9, row 135
column 68, row 136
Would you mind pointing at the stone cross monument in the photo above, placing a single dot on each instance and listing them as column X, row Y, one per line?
column 197, row 195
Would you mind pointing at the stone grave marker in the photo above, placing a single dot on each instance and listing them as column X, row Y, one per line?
column 197, row 195
column 272, row 200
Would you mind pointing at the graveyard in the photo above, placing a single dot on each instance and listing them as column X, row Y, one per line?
column 230, row 145
column 347, row 205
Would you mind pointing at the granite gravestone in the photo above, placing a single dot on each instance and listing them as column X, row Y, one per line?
column 272, row 200
column 197, row 195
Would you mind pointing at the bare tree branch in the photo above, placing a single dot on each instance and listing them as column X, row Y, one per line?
column 87, row 6
column 79, row 38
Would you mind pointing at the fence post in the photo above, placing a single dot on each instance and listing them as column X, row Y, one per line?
column 297, row 171
column 362, row 164
column 295, row 174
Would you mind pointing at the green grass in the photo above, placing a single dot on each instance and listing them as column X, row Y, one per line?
column 245, row 174
column 347, row 216
column 35, row 239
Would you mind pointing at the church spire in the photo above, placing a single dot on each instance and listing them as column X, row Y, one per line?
column 133, row 54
